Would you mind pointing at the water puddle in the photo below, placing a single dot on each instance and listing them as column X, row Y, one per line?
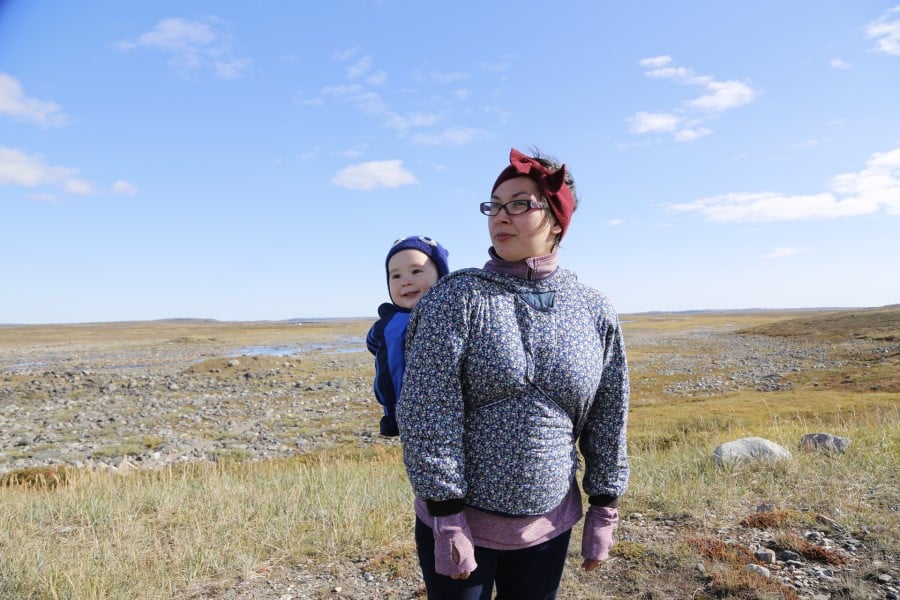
column 347, row 345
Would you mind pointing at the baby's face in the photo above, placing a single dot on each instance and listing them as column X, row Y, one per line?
column 410, row 274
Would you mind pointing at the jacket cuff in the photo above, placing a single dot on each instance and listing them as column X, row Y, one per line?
column 603, row 500
column 443, row 508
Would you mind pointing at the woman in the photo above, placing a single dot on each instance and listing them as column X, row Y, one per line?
column 508, row 368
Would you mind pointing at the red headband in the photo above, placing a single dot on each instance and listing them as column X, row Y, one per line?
column 551, row 184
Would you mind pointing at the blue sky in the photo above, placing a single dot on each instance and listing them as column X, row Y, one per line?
column 254, row 161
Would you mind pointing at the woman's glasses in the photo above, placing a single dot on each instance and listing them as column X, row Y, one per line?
column 516, row 207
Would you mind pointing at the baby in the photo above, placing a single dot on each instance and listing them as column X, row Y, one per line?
column 413, row 265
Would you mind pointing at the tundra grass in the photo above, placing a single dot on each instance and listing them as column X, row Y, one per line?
column 155, row 534
column 166, row 534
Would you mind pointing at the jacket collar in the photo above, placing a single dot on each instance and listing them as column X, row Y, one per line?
column 533, row 268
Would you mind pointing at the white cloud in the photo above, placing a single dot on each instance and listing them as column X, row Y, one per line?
column 359, row 97
column 365, row 90
column 687, row 134
column 447, row 78
column 404, row 122
column 874, row 189
column 124, row 188
column 886, row 31
column 79, row 187
column 15, row 103
column 724, row 95
column 191, row 46
column 837, row 63
column 683, row 123
column 786, row 252
column 497, row 66
column 345, row 55
column 232, row 69
column 349, row 153
column 374, row 174
column 615, row 222
column 371, row 103
column 177, row 35
column 655, row 62
column 678, row 74
column 877, row 184
column 341, row 91
column 377, row 78
column 43, row 197
column 360, row 67
column 20, row 169
column 644, row 122
column 453, row 136
column 300, row 99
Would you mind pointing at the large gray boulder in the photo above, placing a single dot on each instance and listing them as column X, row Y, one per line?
column 749, row 449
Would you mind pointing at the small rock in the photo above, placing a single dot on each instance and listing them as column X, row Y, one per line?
column 125, row 466
column 765, row 555
column 759, row 570
column 749, row 449
column 824, row 442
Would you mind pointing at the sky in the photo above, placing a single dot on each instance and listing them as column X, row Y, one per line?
column 247, row 161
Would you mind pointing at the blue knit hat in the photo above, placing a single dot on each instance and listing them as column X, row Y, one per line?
column 422, row 243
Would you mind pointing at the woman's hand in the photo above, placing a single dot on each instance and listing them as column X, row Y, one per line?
column 455, row 556
column 589, row 565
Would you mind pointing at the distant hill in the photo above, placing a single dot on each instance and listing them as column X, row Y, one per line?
column 861, row 323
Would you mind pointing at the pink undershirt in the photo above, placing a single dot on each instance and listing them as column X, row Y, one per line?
column 513, row 533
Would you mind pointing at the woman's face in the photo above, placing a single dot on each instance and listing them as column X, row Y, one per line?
column 516, row 237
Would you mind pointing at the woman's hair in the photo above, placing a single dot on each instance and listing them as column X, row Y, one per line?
column 553, row 164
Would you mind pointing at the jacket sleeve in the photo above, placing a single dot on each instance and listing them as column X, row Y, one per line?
column 603, row 438
column 373, row 338
column 430, row 410
column 383, row 385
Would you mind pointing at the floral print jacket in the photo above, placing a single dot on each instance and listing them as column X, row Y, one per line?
column 503, row 377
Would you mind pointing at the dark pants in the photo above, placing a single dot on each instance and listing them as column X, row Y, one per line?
column 527, row 574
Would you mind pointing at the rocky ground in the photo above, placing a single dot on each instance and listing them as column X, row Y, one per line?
column 121, row 406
